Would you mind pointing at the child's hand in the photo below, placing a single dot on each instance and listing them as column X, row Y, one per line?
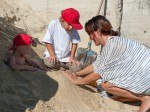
column 74, row 61
column 30, row 68
column 52, row 59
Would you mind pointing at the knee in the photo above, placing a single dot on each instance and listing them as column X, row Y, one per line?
column 106, row 86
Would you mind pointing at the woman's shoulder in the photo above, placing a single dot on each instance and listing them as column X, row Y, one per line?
column 119, row 39
column 115, row 39
column 125, row 41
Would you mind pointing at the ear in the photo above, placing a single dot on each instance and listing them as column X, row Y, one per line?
column 61, row 19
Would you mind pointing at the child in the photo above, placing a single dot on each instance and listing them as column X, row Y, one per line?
column 17, row 60
column 58, row 37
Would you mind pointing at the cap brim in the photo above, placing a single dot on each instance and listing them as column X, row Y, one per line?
column 77, row 26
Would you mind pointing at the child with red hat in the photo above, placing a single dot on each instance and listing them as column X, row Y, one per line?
column 17, row 60
column 59, row 35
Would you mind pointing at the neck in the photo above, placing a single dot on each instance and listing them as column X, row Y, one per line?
column 105, row 39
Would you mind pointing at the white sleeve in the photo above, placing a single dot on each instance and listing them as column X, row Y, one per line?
column 75, row 38
column 48, row 38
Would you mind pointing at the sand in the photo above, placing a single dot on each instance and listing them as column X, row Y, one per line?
column 42, row 91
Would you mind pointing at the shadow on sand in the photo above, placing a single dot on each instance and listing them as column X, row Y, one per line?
column 20, row 90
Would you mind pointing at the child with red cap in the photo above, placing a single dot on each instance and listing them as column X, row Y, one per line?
column 59, row 35
column 17, row 60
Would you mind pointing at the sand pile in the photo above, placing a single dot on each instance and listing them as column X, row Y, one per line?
column 41, row 91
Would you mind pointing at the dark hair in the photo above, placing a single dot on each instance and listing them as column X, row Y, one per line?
column 100, row 23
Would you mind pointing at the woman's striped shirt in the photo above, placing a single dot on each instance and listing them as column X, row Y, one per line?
column 125, row 63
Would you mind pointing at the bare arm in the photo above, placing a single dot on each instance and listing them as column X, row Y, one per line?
column 85, row 80
column 50, row 49
column 88, row 79
column 14, row 66
column 72, row 56
column 89, row 69
column 52, row 58
column 73, row 50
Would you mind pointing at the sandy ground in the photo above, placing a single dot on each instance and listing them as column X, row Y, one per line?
column 42, row 91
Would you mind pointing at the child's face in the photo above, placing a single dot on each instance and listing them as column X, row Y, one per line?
column 66, row 26
column 23, row 50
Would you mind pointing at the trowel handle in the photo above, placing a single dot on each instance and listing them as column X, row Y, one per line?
column 89, row 45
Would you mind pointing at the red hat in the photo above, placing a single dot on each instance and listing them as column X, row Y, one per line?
column 72, row 16
column 22, row 39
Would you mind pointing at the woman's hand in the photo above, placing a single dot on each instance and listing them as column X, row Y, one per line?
column 71, row 76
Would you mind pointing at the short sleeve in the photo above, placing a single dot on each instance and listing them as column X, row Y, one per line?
column 48, row 38
column 75, row 38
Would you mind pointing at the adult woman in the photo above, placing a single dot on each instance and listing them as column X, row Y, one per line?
column 123, row 64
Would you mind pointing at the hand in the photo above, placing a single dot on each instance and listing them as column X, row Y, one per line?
column 74, row 61
column 30, row 68
column 52, row 59
column 71, row 76
column 77, row 74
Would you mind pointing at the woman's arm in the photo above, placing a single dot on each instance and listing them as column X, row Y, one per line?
column 89, row 69
column 85, row 80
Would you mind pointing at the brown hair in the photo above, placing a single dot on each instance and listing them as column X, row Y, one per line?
column 100, row 23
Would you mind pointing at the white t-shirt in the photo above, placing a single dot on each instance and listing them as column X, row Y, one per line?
column 60, row 39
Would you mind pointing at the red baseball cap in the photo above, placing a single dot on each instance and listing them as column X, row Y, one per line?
column 22, row 39
column 72, row 16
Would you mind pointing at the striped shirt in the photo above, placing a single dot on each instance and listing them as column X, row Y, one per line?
column 125, row 63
